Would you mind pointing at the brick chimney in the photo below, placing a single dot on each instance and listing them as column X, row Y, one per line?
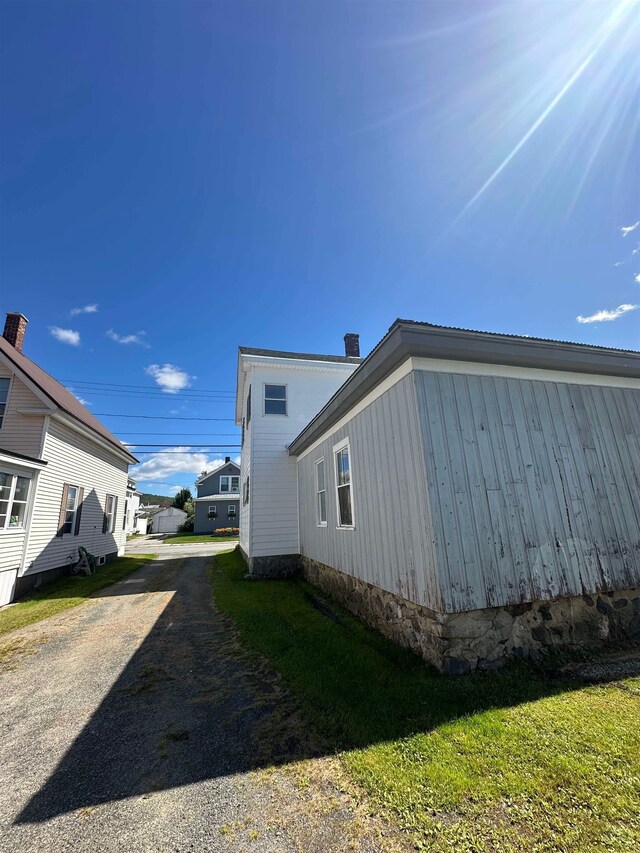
column 352, row 345
column 14, row 328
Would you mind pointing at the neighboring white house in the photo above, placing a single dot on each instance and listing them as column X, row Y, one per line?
column 133, row 523
column 278, row 394
column 474, row 496
column 166, row 519
column 63, row 475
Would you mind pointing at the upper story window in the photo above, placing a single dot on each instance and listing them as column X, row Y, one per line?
column 14, row 493
column 249, row 406
column 4, row 394
column 342, row 456
column 275, row 399
column 321, row 495
column 229, row 483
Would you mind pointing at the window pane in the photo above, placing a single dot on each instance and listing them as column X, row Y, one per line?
column 72, row 495
column 320, row 475
column 235, row 484
column 224, row 484
column 342, row 467
column 4, row 390
column 344, row 505
column 2, row 408
column 275, row 407
column 22, row 488
column 322, row 507
column 275, row 392
column 4, row 509
column 5, row 486
column 16, row 517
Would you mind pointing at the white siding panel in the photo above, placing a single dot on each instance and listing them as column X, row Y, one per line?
column 11, row 545
column 21, row 433
column 392, row 545
column 7, row 584
column 77, row 460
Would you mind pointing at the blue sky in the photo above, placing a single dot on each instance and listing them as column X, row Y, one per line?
column 276, row 174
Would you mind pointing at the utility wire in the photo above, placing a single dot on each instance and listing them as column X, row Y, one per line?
column 144, row 387
column 175, row 444
column 158, row 417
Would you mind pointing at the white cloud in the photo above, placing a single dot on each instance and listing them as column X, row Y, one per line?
column 127, row 339
column 628, row 229
column 637, row 278
column 86, row 309
column 165, row 465
column 603, row 316
column 170, row 378
column 65, row 336
column 80, row 399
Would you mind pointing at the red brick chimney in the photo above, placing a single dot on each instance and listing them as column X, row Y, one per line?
column 352, row 345
column 14, row 328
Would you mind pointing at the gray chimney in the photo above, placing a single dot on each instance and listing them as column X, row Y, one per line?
column 227, row 459
column 14, row 328
column 352, row 345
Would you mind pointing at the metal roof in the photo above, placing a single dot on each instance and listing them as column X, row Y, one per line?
column 60, row 396
column 274, row 353
column 407, row 338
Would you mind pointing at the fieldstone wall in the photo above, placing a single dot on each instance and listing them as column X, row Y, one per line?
column 457, row 643
column 279, row 566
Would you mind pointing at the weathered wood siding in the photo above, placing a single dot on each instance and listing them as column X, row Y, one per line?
column 392, row 543
column 534, row 487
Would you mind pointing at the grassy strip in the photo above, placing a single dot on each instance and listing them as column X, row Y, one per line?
column 507, row 761
column 67, row 592
column 200, row 538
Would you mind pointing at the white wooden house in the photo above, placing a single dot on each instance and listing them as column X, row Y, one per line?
column 474, row 496
column 63, row 475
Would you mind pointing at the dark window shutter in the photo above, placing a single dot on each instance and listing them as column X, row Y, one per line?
column 105, row 517
column 115, row 512
column 79, row 511
column 63, row 509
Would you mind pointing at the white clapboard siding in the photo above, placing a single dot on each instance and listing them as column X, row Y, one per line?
column 391, row 544
column 72, row 458
column 534, row 487
column 274, row 480
column 21, row 433
column 244, row 520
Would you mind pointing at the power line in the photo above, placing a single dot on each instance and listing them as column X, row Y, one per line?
column 137, row 452
column 169, row 434
column 158, row 417
column 145, row 387
column 144, row 444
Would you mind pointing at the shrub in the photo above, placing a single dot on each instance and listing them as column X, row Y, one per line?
column 226, row 531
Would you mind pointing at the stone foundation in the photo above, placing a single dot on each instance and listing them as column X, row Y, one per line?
column 457, row 643
column 279, row 566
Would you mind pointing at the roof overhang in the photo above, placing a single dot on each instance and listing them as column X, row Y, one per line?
column 231, row 496
column 407, row 339
column 8, row 457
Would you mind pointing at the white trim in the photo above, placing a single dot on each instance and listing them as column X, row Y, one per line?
column 342, row 445
column 471, row 368
column 284, row 414
column 319, row 521
column 17, row 371
column 75, row 510
column 6, row 402
column 227, row 496
column 11, row 461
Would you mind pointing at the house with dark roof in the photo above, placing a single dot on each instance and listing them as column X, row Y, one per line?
column 63, row 475
column 217, row 502
column 473, row 496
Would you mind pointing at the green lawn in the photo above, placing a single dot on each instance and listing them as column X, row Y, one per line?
column 67, row 592
column 507, row 761
column 185, row 538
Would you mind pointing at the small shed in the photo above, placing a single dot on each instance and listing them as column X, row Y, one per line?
column 167, row 520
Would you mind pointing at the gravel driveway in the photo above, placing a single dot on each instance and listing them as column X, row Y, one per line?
column 136, row 722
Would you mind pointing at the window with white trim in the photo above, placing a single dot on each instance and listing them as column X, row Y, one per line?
column 4, row 396
column 342, row 456
column 321, row 494
column 14, row 494
column 110, row 514
column 231, row 510
column 70, row 510
column 275, row 399
column 229, row 483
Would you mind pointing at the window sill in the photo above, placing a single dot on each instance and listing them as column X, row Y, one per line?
column 322, row 524
column 9, row 531
column 345, row 527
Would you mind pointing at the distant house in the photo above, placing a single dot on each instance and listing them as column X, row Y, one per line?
column 133, row 523
column 165, row 519
column 63, row 475
column 217, row 503
column 473, row 496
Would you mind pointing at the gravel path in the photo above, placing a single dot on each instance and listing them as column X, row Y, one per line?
column 135, row 722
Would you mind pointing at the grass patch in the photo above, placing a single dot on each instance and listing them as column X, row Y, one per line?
column 67, row 592
column 185, row 538
column 505, row 761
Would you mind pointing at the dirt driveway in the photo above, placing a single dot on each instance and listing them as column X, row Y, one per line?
column 136, row 722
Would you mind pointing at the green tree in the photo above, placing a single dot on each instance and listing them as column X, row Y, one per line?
column 182, row 497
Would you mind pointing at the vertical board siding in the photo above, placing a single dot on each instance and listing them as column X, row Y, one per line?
column 534, row 487
column 21, row 433
column 71, row 458
column 392, row 543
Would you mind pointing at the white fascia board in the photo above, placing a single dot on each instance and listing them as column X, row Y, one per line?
column 89, row 434
column 507, row 371
column 232, row 496
column 9, row 461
